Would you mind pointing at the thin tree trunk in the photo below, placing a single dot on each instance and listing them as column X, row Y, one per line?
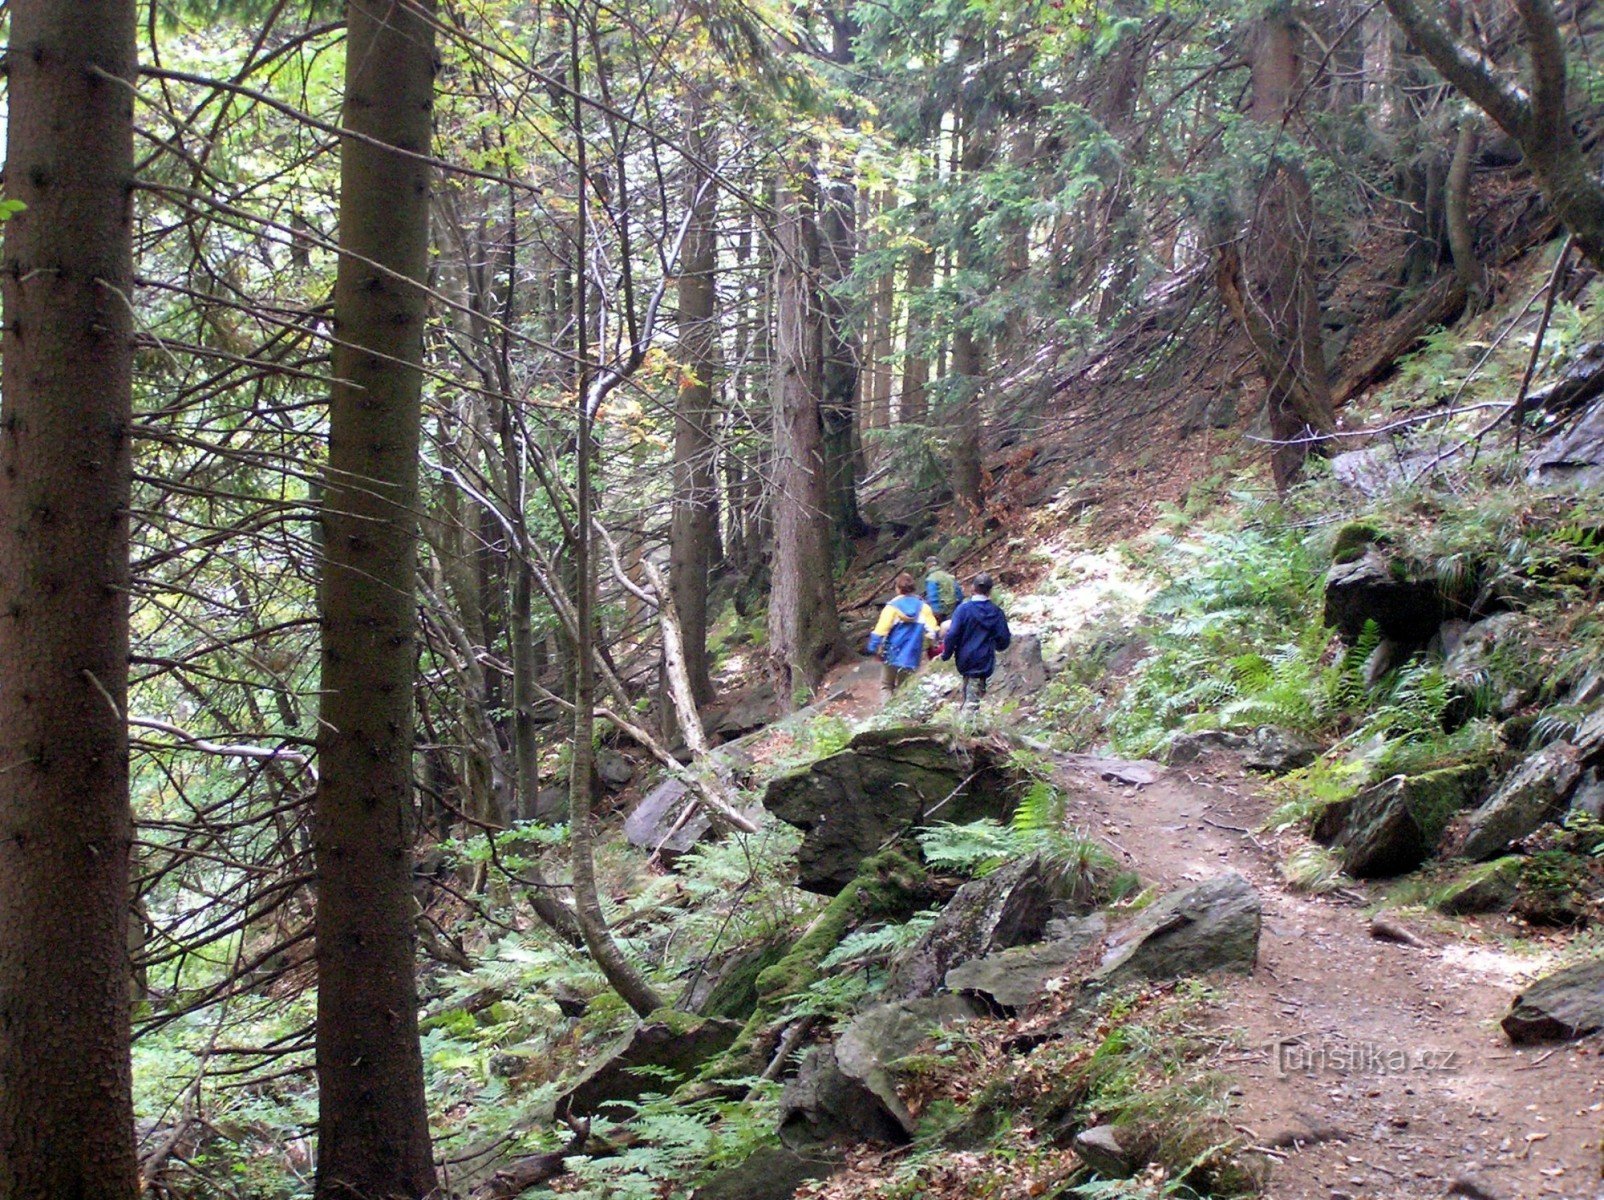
column 914, row 404
column 694, row 526
column 804, row 627
column 373, row 1128
column 632, row 986
column 66, row 1110
column 1461, row 240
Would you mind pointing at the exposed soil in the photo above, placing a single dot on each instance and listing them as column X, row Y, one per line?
column 1371, row 1069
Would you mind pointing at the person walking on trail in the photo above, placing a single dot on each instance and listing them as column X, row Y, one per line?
column 979, row 629
column 942, row 592
column 899, row 638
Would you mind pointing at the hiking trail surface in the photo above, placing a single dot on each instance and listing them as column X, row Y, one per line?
column 1373, row 1069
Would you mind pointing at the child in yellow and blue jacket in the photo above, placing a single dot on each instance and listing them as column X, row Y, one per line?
column 899, row 637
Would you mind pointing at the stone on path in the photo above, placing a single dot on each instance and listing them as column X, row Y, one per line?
column 1566, row 1005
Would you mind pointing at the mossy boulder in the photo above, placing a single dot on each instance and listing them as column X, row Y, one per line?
column 770, row 1173
column 1210, row 927
column 1376, row 587
column 1485, row 887
column 1534, row 792
column 1396, row 825
column 1353, row 540
column 882, row 786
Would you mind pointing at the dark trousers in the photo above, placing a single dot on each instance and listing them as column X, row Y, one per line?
column 974, row 690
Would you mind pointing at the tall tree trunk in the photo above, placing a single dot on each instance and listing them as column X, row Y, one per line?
column 804, row 627
column 914, row 404
column 1461, row 239
column 1269, row 285
column 373, row 1129
column 968, row 350
column 838, row 236
column 694, row 527
column 66, row 1112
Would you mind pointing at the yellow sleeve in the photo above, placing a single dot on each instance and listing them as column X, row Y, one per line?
column 929, row 618
column 888, row 617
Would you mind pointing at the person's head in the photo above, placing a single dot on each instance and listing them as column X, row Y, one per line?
column 932, row 563
column 981, row 584
column 905, row 584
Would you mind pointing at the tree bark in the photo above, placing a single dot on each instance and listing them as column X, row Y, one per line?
column 804, row 627
column 1461, row 240
column 1267, row 278
column 66, row 1110
column 694, row 526
column 914, row 404
column 373, row 1129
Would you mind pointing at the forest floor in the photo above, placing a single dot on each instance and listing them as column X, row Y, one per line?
column 1373, row 1069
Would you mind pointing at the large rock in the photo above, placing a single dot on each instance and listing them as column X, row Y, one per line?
column 769, row 1173
column 744, row 713
column 1213, row 926
column 846, row 1092
column 1575, row 459
column 1485, row 887
column 613, row 769
column 1277, row 751
column 1559, row 1007
column 1009, row 907
column 1378, row 587
column 650, row 824
column 883, row 785
column 1533, row 793
column 676, row 1043
column 1011, row 980
column 1020, row 670
column 1395, row 826
column 1588, row 798
column 1102, row 1148
column 1495, row 654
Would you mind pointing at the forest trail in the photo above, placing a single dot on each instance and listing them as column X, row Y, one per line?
column 1393, row 1080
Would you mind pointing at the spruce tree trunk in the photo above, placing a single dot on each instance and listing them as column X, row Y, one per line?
column 66, row 1112
column 913, row 406
column 694, row 528
column 803, row 625
column 373, row 1131
column 1267, row 279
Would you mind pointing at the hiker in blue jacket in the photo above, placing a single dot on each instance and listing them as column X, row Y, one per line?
column 899, row 638
column 978, row 630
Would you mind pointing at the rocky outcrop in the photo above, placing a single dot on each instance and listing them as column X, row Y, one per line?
column 1396, row 825
column 1378, row 587
column 1276, row 751
column 1560, row 1007
column 1011, row 980
column 1486, row 887
column 883, row 785
column 1213, row 926
column 1575, row 459
column 1533, row 793
column 1009, row 907
column 1495, row 654
column 650, row 824
column 1020, row 670
column 845, row 1092
column 1103, row 1149
column 673, row 1043
column 613, row 770
column 770, row 1173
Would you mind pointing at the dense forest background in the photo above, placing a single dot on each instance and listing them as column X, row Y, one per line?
column 411, row 405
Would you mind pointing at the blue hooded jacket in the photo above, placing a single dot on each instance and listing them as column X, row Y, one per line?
column 904, row 625
column 978, row 630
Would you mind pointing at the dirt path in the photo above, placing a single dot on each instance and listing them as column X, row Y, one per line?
column 1374, row 1071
